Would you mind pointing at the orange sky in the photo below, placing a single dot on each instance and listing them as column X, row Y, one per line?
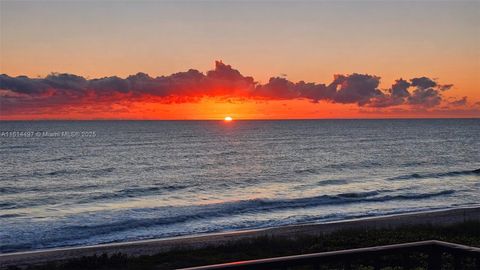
column 307, row 41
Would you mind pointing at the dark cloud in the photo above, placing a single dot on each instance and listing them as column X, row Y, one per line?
column 396, row 95
column 445, row 87
column 400, row 88
column 316, row 92
column 109, row 84
column 277, row 87
column 224, row 81
column 23, row 85
column 66, row 82
column 356, row 88
column 459, row 102
column 425, row 97
column 427, row 93
column 423, row 82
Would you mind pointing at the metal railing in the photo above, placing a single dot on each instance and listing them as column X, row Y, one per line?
column 433, row 249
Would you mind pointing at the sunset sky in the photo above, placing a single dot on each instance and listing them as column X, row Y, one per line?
column 245, row 59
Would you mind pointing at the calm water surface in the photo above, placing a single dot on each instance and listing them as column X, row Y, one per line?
column 152, row 179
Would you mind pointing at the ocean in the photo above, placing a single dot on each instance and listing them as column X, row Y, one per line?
column 76, row 183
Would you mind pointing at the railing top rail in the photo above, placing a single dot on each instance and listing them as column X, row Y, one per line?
column 341, row 253
column 455, row 246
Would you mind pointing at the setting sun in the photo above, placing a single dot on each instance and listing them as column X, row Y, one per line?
column 228, row 118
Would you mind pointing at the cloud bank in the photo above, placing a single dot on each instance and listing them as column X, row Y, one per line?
column 24, row 93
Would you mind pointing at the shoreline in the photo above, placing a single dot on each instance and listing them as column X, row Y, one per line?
column 154, row 246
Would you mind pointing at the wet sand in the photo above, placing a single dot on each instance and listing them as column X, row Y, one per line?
column 154, row 246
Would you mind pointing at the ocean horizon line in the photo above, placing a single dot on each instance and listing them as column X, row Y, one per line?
column 242, row 119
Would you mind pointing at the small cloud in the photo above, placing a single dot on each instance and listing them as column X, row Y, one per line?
column 459, row 102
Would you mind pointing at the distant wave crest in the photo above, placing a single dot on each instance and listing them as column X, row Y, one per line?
column 436, row 175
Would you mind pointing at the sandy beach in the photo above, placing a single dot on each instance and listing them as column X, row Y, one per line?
column 154, row 246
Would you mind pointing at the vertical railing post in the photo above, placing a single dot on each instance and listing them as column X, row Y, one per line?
column 457, row 260
column 476, row 261
column 434, row 258
column 348, row 265
column 376, row 264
